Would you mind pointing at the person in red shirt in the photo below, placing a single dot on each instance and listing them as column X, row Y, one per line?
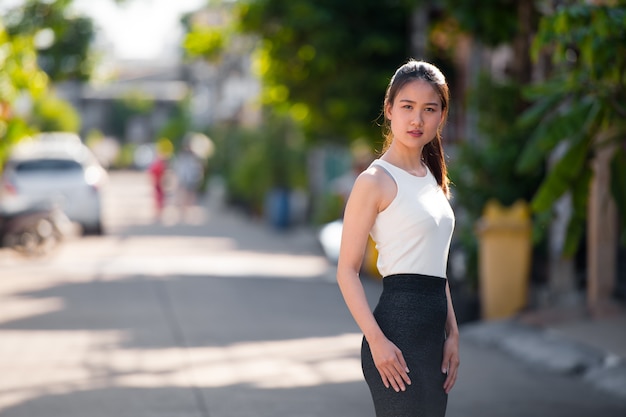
column 157, row 170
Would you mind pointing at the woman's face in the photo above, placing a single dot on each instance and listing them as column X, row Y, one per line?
column 415, row 114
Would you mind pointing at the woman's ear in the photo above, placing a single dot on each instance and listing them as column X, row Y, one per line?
column 442, row 121
column 387, row 111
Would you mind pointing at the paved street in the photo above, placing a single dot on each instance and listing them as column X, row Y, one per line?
column 215, row 315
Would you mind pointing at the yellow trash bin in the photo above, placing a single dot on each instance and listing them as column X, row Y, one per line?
column 371, row 259
column 504, row 259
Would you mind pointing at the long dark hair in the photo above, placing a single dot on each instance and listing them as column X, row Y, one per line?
column 432, row 154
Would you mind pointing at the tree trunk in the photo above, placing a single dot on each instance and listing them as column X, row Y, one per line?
column 602, row 236
column 419, row 31
column 522, row 65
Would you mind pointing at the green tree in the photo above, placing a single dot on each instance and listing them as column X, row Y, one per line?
column 484, row 167
column 500, row 22
column 33, row 34
column 266, row 159
column 63, row 39
column 327, row 63
column 205, row 42
column 21, row 82
column 51, row 114
column 494, row 22
column 581, row 102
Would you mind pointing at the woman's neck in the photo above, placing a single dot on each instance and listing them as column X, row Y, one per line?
column 410, row 162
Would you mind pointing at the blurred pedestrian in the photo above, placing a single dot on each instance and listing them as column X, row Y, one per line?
column 189, row 171
column 157, row 170
column 410, row 349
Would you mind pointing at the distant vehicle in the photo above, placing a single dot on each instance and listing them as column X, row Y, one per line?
column 56, row 168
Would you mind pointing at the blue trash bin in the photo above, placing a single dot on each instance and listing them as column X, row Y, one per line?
column 277, row 206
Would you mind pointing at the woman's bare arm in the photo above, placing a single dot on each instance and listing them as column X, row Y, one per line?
column 451, row 360
column 366, row 200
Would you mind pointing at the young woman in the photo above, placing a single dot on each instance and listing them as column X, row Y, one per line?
column 410, row 350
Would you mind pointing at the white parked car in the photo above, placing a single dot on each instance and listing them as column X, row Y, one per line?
column 57, row 168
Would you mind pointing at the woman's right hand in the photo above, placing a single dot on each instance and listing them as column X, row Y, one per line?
column 390, row 364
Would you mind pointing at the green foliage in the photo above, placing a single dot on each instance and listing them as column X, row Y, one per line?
column 20, row 73
column 249, row 177
column 582, row 101
column 69, row 58
column 21, row 81
column 256, row 161
column 493, row 22
column 177, row 125
column 126, row 156
column 327, row 63
column 205, row 42
column 122, row 111
column 330, row 208
column 11, row 132
column 52, row 114
column 64, row 39
column 485, row 169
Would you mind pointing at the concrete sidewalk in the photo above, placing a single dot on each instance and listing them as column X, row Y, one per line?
column 591, row 349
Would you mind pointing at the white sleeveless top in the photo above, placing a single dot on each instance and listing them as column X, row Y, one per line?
column 413, row 233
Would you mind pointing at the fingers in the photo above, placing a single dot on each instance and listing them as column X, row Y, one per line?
column 395, row 378
column 450, row 367
column 394, row 372
column 451, row 361
column 403, row 368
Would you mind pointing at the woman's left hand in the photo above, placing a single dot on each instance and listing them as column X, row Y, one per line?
column 451, row 361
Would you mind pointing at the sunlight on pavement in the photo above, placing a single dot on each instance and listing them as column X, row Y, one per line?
column 170, row 256
column 61, row 362
column 280, row 364
column 47, row 363
column 15, row 308
column 47, row 351
column 239, row 264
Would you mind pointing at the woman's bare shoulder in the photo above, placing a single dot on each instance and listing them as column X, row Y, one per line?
column 376, row 184
column 374, row 176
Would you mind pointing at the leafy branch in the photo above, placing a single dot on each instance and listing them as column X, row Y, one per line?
column 576, row 106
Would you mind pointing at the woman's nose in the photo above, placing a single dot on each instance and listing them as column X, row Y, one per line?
column 417, row 119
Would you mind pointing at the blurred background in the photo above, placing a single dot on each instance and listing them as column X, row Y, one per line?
column 249, row 120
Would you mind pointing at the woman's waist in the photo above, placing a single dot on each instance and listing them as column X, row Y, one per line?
column 414, row 298
column 413, row 282
column 388, row 268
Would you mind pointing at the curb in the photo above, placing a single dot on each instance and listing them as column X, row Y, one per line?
column 547, row 350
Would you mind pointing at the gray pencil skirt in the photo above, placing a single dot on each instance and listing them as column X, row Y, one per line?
column 412, row 313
